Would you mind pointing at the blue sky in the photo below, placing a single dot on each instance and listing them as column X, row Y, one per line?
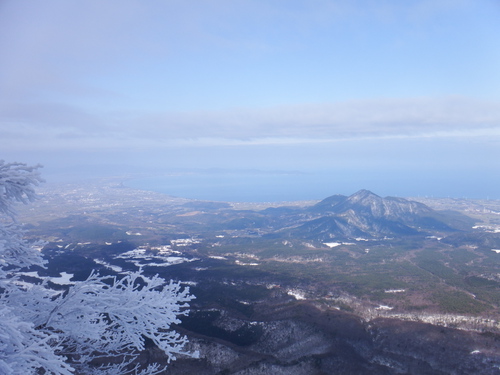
column 406, row 93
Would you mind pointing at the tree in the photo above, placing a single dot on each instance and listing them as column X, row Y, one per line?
column 98, row 326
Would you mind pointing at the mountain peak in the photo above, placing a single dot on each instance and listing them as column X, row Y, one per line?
column 369, row 204
column 363, row 194
column 363, row 191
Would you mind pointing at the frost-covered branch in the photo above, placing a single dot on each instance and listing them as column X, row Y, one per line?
column 17, row 182
column 115, row 316
column 15, row 251
column 97, row 327
column 24, row 350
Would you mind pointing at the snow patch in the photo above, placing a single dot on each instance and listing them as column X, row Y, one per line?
column 335, row 244
column 159, row 256
column 184, row 242
column 64, row 279
column 108, row 265
column 384, row 307
column 240, row 263
column 332, row 244
column 297, row 294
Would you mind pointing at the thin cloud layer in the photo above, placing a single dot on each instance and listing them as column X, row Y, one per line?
column 60, row 126
column 354, row 119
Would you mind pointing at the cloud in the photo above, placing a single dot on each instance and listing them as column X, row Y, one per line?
column 51, row 96
column 47, row 125
column 351, row 119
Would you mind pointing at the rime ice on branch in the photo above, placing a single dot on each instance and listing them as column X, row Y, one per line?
column 99, row 326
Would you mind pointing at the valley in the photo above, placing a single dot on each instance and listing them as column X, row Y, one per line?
column 357, row 284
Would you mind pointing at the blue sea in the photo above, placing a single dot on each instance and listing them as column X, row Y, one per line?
column 234, row 187
column 296, row 186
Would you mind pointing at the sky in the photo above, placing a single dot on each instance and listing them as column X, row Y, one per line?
column 399, row 97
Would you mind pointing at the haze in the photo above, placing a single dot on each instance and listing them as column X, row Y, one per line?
column 399, row 97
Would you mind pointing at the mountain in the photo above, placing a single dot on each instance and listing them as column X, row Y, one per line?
column 365, row 214
column 328, row 203
column 367, row 203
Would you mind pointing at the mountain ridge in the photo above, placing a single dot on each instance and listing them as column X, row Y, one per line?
column 365, row 213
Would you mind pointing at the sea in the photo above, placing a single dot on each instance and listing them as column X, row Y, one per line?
column 305, row 186
column 237, row 187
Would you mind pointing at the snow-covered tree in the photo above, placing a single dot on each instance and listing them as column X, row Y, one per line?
column 17, row 183
column 98, row 326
